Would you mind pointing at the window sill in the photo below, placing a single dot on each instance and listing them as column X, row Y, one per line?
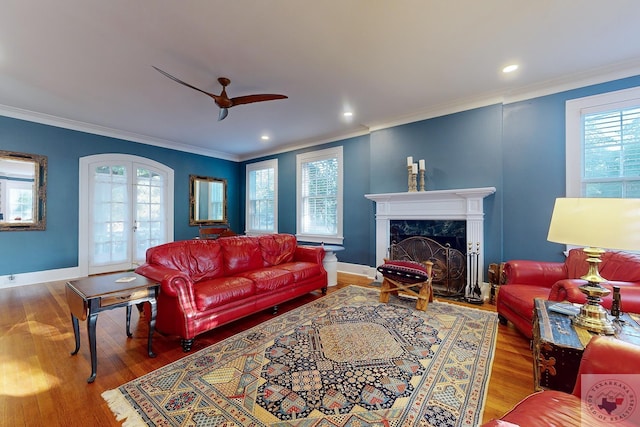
column 315, row 238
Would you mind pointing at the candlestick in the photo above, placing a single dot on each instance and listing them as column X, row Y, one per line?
column 421, row 179
column 421, row 162
column 409, row 160
column 410, row 179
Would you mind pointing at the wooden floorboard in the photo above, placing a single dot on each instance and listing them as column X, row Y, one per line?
column 42, row 384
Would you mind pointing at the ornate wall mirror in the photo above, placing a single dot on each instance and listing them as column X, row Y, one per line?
column 207, row 200
column 23, row 191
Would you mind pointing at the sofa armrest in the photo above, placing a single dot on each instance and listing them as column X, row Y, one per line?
column 597, row 359
column 314, row 254
column 172, row 282
column 567, row 290
column 538, row 273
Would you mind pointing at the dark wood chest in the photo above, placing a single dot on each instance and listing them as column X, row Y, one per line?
column 558, row 346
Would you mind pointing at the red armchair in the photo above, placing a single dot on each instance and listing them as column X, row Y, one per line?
column 603, row 355
column 556, row 281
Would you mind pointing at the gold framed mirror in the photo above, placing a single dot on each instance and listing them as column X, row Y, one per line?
column 207, row 200
column 23, row 191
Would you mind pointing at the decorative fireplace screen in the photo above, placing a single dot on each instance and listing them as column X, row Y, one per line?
column 449, row 264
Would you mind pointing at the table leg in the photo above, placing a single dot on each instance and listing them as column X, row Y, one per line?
column 91, row 331
column 129, row 334
column 76, row 334
column 152, row 326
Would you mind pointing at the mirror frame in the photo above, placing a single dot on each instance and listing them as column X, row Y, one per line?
column 39, row 193
column 192, row 200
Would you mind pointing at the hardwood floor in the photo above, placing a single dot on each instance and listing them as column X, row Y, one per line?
column 42, row 384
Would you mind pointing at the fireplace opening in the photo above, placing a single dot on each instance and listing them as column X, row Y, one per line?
column 442, row 242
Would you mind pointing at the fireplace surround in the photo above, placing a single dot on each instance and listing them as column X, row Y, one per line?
column 460, row 204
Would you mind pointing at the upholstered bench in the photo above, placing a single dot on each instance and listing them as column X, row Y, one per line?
column 411, row 277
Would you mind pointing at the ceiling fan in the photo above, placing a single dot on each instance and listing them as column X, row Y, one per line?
column 222, row 100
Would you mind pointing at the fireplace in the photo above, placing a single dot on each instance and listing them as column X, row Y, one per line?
column 443, row 205
column 443, row 242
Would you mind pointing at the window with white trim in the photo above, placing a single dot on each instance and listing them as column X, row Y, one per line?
column 319, row 196
column 262, row 197
column 603, row 145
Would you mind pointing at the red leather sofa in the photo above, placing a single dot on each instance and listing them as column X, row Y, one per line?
column 207, row 283
column 605, row 356
column 525, row 280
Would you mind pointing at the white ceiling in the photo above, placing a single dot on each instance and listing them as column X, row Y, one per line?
column 87, row 64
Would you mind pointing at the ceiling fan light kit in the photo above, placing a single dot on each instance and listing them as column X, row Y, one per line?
column 223, row 101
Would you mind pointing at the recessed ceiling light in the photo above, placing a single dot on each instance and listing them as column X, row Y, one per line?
column 265, row 137
column 510, row 68
column 348, row 114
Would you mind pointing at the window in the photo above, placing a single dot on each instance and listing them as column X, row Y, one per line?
column 603, row 145
column 20, row 202
column 319, row 196
column 262, row 197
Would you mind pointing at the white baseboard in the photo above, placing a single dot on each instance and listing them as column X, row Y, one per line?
column 24, row 279
column 32, row 278
column 358, row 270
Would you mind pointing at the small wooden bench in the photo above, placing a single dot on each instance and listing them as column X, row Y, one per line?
column 408, row 283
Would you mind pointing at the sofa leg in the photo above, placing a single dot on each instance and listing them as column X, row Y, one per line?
column 275, row 309
column 502, row 319
column 324, row 290
column 186, row 345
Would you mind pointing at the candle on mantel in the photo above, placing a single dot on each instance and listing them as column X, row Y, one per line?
column 414, row 168
column 409, row 160
column 421, row 162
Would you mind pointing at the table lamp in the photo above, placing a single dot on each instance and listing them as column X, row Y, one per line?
column 596, row 223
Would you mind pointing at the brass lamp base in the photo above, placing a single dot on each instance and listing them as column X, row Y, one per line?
column 592, row 316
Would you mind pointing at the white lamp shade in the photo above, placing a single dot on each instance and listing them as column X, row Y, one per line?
column 596, row 222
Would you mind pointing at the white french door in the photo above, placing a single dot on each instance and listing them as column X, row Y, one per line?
column 127, row 209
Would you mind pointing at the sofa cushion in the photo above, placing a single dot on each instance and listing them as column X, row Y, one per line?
column 551, row 408
column 614, row 265
column 209, row 294
column 200, row 259
column 620, row 266
column 277, row 248
column 519, row 298
column 302, row 270
column 269, row 278
column 240, row 253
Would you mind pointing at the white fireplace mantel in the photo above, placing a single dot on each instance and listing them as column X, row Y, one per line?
column 461, row 204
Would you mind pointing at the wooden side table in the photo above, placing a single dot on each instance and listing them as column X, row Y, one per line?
column 89, row 296
column 558, row 346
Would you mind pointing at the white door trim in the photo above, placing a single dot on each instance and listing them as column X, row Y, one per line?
column 83, row 205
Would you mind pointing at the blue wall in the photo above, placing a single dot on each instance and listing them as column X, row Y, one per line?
column 358, row 214
column 57, row 246
column 517, row 148
column 461, row 150
column 534, row 169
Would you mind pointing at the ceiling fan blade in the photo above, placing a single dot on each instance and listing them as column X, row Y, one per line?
column 256, row 98
column 177, row 80
column 224, row 112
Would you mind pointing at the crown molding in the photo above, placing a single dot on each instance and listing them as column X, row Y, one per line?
column 47, row 119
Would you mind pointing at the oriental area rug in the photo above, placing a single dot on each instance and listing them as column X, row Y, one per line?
column 343, row 360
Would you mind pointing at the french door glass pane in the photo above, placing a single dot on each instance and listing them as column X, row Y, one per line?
column 110, row 215
column 149, row 211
